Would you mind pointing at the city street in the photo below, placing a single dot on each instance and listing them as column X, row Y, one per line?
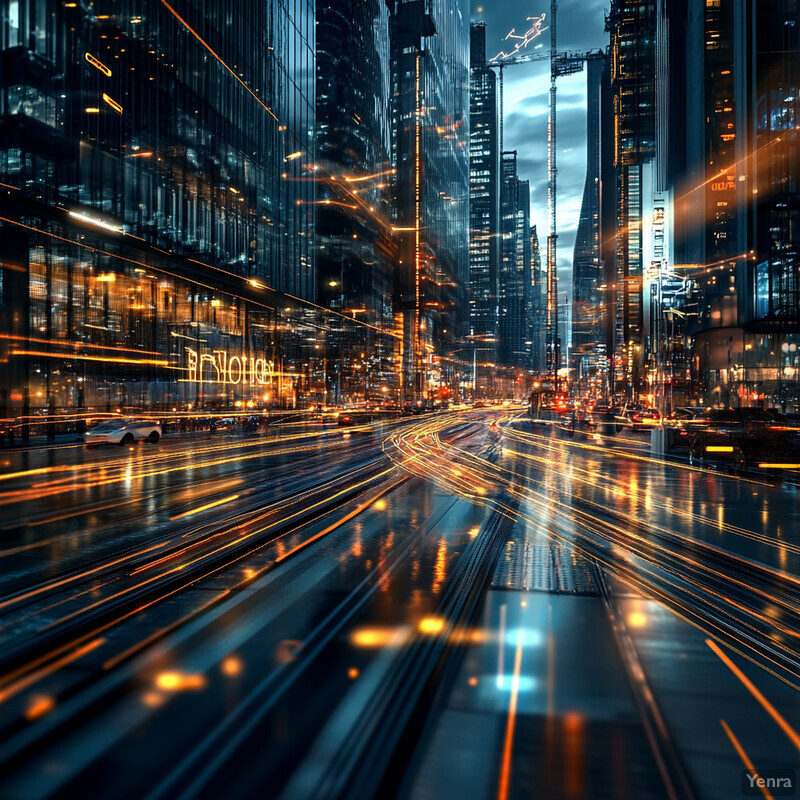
column 461, row 604
column 399, row 399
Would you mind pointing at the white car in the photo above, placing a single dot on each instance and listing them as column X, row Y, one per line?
column 123, row 431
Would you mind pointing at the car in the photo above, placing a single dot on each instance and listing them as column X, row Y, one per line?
column 123, row 432
column 560, row 405
column 630, row 409
column 686, row 421
column 252, row 423
column 644, row 419
column 745, row 438
column 222, row 424
column 602, row 412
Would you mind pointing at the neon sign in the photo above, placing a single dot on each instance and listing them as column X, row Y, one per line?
column 726, row 185
column 221, row 367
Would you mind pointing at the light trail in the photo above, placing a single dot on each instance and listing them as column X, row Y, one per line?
column 180, row 460
column 711, row 586
column 32, row 677
column 205, row 507
column 790, row 732
column 219, row 548
column 508, row 742
column 219, row 59
column 704, row 582
column 743, row 755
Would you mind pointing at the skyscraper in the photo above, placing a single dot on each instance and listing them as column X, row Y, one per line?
column 632, row 26
column 524, row 270
column 430, row 45
column 538, row 309
column 353, row 156
column 484, row 248
column 739, row 214
column 589, row 352
column 355, row 248
column 154, row 199
column 515, row 266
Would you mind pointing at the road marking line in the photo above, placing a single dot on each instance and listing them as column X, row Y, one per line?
column 743, row 755
column 768, row 707
column 508, row 746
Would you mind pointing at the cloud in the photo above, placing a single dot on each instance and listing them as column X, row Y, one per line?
column 526, row 105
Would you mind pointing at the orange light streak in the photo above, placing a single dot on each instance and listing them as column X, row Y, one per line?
column 223, row 63
column 33, row 677
column 42, row 354
column 205, row 507
column 508, row 745
column 362, row 178
column 750, row 686
column 97, row 64
column 743, row 755
column 109, row 101
column 39, row 706
column 39, row 340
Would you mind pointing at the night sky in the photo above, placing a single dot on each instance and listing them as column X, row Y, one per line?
column 580, row 27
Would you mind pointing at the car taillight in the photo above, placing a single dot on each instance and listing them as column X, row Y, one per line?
column 637, row 417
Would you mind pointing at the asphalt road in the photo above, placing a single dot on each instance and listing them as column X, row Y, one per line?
column 461, row 605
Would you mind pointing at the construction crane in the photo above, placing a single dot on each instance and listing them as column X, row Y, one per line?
column 561, row 63
column 503, row 59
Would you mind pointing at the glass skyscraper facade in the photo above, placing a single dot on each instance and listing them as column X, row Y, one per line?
column 445, row 143
column 173, row 124
column 355, row 248
column 588, row 275
column 632, row 52
column 737, row 219
column 514, row 349
column 157, row 201
column 538, row 309
column 484, row 199
column 430, row 44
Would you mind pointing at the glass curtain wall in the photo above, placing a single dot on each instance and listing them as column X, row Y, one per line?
column 157, row 202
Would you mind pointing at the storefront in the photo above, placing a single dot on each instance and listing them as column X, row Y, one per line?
column 89, row 324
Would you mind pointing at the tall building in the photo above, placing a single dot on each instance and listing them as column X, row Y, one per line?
column 707, row 300
column 515, row 266
column 632, row 51
column 739, row 217
column 708, row 218
column 155, row 202
column 538, row 307
column 589, row 340
column 484, row 198
column 525, row 270
column 355, row 248
column 430, row 45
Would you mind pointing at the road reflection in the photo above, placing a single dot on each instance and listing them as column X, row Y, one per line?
column 462, row 604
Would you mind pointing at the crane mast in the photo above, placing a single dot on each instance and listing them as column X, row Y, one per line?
column 551, row 319
column 560, row 64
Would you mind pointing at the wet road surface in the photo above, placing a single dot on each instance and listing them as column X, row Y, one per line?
column 461, row 605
